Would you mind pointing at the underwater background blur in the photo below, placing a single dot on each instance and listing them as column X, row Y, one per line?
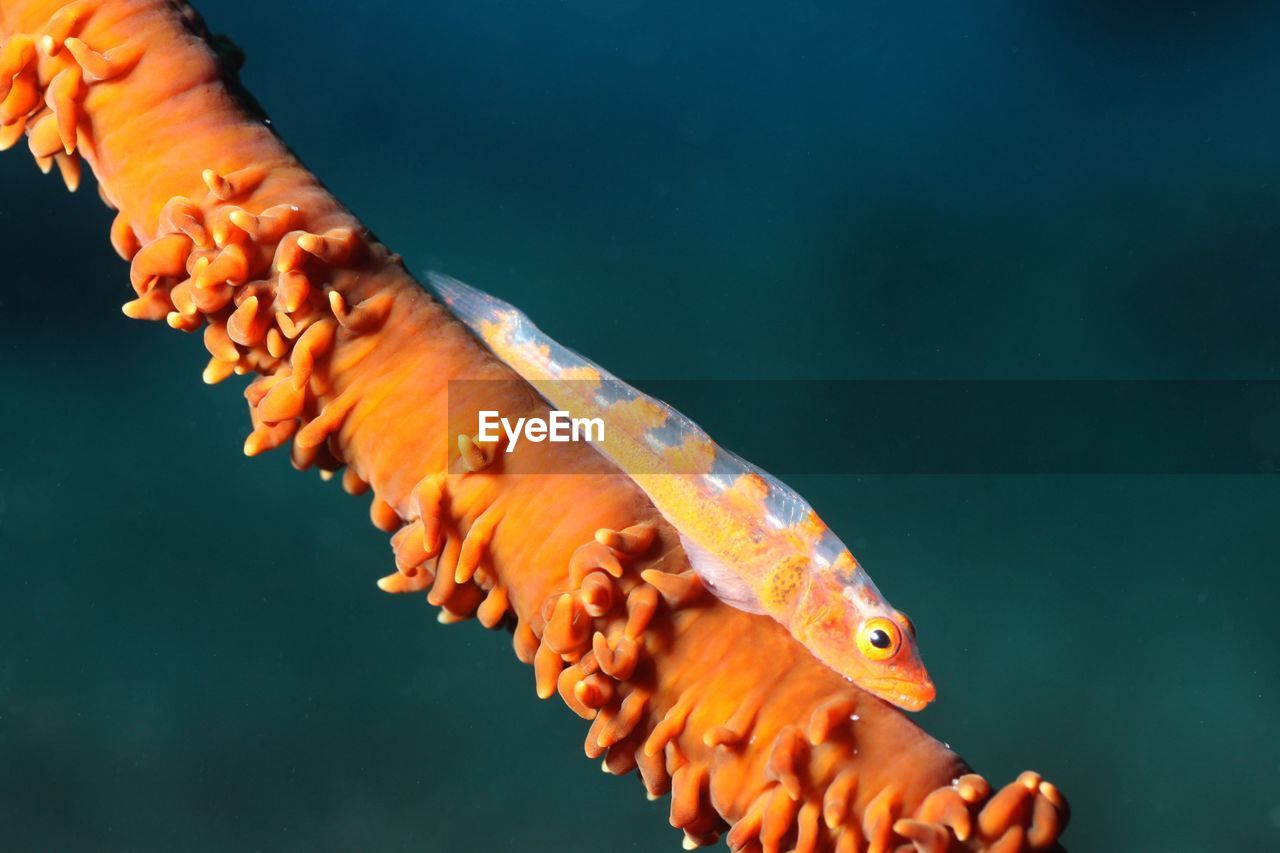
column 762, row 191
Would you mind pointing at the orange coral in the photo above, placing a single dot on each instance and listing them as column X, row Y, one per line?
column 229, row 234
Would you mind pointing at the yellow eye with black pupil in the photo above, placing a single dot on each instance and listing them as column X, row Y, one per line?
column 879, row 638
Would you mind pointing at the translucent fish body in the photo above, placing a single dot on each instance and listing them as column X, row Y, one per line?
column 755, row 543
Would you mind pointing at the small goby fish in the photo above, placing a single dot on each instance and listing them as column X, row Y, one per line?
column 754, row 542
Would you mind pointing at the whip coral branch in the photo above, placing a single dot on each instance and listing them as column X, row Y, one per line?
column 229, row 236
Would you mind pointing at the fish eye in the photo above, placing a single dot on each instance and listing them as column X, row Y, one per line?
column 879, row 638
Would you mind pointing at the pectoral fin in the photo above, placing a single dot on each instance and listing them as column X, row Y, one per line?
column 722, row 581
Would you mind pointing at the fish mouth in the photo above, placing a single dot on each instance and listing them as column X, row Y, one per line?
column 907, row 695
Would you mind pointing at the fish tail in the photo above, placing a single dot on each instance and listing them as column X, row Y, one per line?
column 470, row 305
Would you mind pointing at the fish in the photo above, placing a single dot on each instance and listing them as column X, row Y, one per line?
column 754, row 542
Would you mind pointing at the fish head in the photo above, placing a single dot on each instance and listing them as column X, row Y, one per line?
column 846, row 623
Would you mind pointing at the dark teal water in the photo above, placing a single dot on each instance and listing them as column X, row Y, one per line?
column 763, row 190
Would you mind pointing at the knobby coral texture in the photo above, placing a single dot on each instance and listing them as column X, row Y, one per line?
column 229, row 236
